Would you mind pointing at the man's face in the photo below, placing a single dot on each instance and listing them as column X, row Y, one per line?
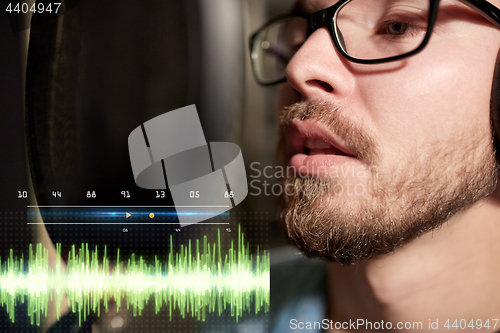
column 396, row 148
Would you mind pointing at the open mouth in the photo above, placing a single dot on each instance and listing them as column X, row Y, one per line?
column 317, row 146
column 312, row 148
column 313, row 138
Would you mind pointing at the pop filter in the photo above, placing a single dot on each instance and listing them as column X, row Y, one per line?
column 93, row 76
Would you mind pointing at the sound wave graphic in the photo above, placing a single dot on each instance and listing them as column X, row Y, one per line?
column 193, row 282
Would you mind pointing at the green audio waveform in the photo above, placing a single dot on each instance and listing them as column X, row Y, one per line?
column 193, row 281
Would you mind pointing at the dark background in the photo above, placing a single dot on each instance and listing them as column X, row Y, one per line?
column 96, row 73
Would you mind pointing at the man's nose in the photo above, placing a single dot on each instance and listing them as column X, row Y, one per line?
column 318, row 70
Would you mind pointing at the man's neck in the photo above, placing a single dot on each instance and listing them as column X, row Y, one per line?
column 451, row 273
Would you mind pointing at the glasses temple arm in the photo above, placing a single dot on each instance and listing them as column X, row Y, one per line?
column 486, row 9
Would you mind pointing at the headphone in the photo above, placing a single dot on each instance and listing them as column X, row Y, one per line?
column 495, row 109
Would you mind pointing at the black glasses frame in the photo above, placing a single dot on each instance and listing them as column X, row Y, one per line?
column 328, row 17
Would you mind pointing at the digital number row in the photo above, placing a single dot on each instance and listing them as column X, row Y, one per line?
column 124, row 194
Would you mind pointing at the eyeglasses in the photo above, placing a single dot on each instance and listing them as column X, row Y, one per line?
column 363, row 31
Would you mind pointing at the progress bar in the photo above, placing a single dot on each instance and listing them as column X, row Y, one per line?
column 128, row 206
column 119, row 223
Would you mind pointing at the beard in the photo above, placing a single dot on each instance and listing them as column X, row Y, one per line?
column 396, row 206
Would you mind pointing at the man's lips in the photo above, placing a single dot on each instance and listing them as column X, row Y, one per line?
column 310, row 137
column 312, row 147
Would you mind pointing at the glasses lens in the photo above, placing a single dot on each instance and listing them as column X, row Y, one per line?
column 369, row 29
column 274, row 46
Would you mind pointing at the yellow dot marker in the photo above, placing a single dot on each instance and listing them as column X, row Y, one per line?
column 151, row 215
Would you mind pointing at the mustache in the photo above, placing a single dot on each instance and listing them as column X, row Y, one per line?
column 359, row 141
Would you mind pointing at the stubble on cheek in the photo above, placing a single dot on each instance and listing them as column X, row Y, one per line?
column 401, row 203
